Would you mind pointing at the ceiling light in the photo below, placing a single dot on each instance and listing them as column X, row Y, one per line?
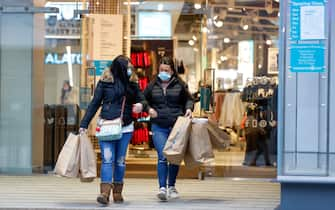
column 277, row 1
column 160, row 7
column 197, row 6
column 268, row 42
column 218, row 24
column 191, row 42
column 260, row 66
column 132, row 3
column 226, row 40
column 230, row 9
column 245, row 27
column 223, row 58
column 219, row 62
column 97, row 3
column 194, row 38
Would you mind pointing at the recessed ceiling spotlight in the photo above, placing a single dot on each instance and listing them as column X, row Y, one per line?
column 191, row 42
column 197, row 6
column 226, row 40
column 223, row 58
column 218, row 23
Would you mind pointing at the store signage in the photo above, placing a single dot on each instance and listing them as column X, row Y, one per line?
column 100, row 67
column 307, row 36
column 55, row 58
column 107, row 36
column 307, row 58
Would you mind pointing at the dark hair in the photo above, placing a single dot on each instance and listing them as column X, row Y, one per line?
column 168, row 61
column 119, row 71
column 66, row 82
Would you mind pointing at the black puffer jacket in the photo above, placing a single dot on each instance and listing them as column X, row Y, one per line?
column 107, row 95
column 171, row 104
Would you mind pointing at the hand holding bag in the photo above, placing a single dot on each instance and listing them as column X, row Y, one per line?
column 199, row 151
column 176, row 144
column 110, row 130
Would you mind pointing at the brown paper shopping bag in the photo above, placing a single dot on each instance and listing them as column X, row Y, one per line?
column 68, row 159
column 199, row 150
column 88, row 163
column 177, row 141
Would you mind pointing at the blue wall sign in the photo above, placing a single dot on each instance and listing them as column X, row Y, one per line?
column 307, row 36
column 307, row 58
column 100, row 67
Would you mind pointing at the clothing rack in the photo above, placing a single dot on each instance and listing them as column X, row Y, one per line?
column 261, row 96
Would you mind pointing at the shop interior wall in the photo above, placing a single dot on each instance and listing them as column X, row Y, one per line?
column 189, row 58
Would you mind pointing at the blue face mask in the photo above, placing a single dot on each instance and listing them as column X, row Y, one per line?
column 129, row 72
column 164, row 76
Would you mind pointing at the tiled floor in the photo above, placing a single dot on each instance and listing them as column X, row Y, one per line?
column 50, row 192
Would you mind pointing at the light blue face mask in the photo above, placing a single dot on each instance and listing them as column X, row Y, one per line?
column 129, row 72
column 164, row 76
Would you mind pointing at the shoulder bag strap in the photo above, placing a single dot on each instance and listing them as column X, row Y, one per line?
column 123, row 104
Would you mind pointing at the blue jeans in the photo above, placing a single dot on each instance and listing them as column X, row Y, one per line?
column 165, row 170
column 113, row 159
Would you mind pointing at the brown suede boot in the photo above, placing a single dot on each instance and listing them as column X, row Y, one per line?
column 117, row 192
column 105, row 191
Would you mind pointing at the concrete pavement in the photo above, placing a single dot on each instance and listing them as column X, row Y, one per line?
column 51, row 192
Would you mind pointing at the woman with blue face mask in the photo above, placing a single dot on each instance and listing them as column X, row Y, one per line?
column 168, row 98
column 114, row 88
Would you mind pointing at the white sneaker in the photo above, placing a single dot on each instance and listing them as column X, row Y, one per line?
column 173, row 193
column 162, row 194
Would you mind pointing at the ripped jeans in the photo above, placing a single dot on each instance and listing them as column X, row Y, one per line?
column 165, row 170
column 113, row 155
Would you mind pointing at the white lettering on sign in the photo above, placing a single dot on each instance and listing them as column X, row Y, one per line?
column 54, row 58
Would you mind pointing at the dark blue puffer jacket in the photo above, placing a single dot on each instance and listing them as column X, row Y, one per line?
column 108, row 95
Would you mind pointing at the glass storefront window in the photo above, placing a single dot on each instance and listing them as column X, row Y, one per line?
column 218, row 49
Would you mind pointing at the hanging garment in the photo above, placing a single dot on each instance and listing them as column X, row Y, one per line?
column 232, row 111
column 219, row 98
column 205, row 98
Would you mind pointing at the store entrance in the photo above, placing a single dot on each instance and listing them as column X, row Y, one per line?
column 235, row 85
column 227, row 55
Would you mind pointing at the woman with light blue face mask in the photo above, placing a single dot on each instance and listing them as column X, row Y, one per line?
column 168, row 98
column 114, row 89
